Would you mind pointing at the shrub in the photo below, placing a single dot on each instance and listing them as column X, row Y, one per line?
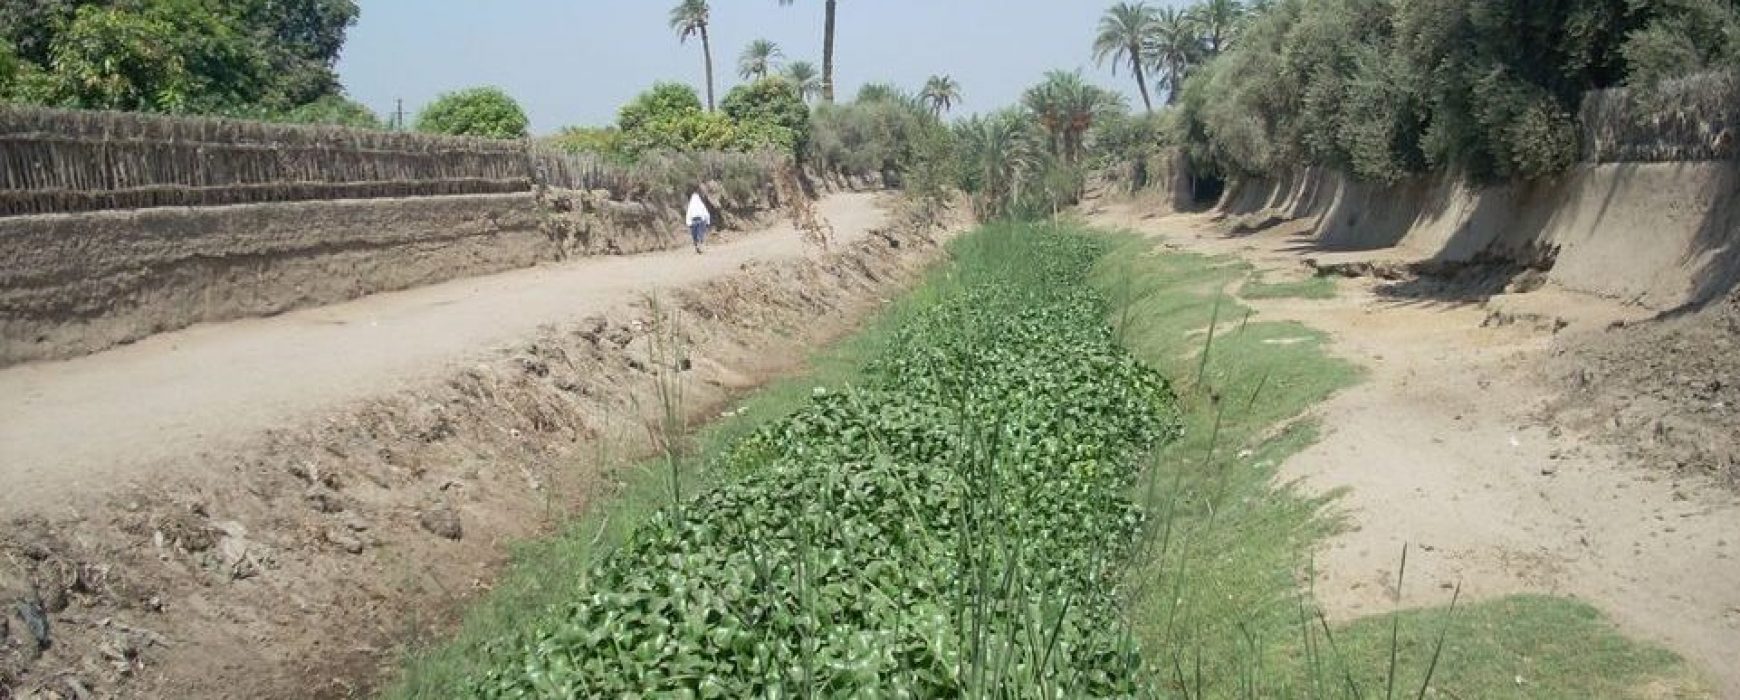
column 483, row 111
column 334, row 110
column 663, row 101
column 579, row 139
column 770, row 113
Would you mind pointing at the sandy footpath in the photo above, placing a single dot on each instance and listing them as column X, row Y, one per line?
column 90, row 424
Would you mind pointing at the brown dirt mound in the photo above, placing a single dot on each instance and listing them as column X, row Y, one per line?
column 299, row 565
column 1666, row 391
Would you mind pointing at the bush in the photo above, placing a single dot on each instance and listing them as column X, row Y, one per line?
column 868, row 137
column 579, row 139
column 483, row 111
column 771, row 112
column 663, row 102
column 1684, row 38
column 669, row 117
column 334, row 110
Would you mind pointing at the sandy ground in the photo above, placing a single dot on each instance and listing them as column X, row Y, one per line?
column 89, row 425
column 1446, row 447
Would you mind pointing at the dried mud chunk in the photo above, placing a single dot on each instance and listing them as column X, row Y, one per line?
column 442, row 522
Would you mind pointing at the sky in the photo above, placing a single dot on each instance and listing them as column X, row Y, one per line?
column 574, row 62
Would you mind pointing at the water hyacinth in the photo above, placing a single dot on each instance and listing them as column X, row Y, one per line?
column 952, row 527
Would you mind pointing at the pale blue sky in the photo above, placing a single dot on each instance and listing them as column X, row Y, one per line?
column 576, row 61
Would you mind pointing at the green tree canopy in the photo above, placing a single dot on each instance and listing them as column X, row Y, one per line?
column 664, row 101
column 175, row 55
column 480, row 111
column 771, row 107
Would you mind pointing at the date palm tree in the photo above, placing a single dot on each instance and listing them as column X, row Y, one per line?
column 1125, row 31
column 1173, row 50
column 690, row 18
column 940, row 93
column 827, row 48
column 1218, row 19
column 998, row 156
column 1066, row 107
column 759, row 59
column 802, row 75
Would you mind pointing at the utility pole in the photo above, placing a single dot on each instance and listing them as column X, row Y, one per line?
column 399, row 114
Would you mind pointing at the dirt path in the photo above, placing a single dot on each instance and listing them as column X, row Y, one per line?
column 1444, row 447
column 90, row 424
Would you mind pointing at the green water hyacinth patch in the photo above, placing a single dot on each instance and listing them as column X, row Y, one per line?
column 956, row 525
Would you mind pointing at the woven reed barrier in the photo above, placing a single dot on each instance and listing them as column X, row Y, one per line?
column 1691, row 119
column 57, row 161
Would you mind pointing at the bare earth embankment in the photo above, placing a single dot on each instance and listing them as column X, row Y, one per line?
column 1454, row 445
column 269, row 507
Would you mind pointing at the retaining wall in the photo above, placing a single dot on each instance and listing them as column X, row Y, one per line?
column 1657, row 234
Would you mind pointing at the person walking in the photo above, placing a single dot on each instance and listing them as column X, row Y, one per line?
column 699, row 220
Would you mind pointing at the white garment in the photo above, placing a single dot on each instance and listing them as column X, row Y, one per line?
column 698, row 209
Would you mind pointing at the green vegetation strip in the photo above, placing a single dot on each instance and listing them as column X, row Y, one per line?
column 956, row 523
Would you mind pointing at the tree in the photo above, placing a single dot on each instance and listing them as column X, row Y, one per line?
column 770, row 107
column 1065, row 107
column 803, row 76
column 301, row 41
column 480, row 111
column 827, row 49
column 1125, row 33
column 940, row 93
column 663, row 101
column 1218, row 19
column 998, row 156
column 109, row 58
column 1173, row 49
column 759, row 58
column 239, row 56
column 689, row 19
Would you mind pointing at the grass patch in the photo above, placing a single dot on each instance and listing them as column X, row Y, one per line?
column 1523, row 646
column 1313, row 287
column 1220, row 602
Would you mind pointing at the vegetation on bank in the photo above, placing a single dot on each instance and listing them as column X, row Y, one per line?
column 1383, row 89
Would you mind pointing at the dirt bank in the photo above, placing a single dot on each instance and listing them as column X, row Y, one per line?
column 1452, row 445
column 277, row 503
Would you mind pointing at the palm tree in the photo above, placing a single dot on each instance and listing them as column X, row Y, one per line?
column 827, row 50
column 998, row 155
column 1174, row 49
column 878, row 92
column 760, row 58
column 1218, row 20
column 1125, row 31
column 940, row 93
column 1066, row 107
column 688, row 19
column 802, row 75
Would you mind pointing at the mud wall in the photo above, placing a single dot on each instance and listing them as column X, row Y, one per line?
column 1649, row 216
column 115, row 226
column 1657, row 234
